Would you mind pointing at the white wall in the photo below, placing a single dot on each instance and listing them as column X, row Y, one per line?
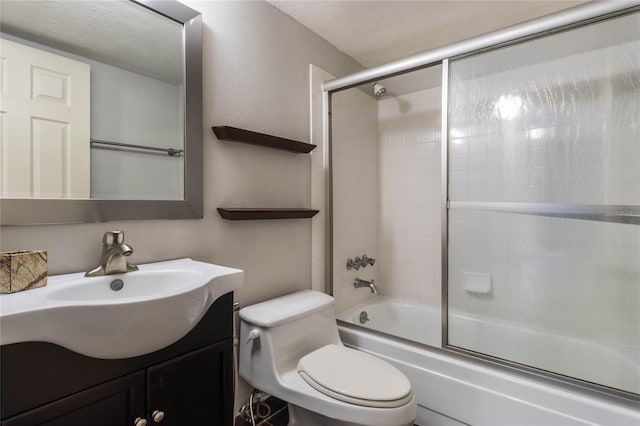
column 131, row 108
column 355, row 192
column 409, row 201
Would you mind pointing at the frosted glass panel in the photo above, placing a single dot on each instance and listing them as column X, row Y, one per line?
column 554, row 120
column 557, row 121
column 561, row 295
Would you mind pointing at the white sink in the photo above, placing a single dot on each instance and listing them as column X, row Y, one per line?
column 157, row 305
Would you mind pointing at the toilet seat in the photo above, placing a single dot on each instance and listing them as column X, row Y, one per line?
column 355, row 377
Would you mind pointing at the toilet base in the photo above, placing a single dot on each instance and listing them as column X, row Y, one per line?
column 299, row 416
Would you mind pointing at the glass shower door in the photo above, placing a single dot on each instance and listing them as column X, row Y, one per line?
column 544, row 212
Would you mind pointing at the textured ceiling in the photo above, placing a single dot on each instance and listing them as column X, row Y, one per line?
column 118, row 33
column 377, row 32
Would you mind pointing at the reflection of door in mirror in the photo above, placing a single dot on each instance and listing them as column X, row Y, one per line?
column 44, row 135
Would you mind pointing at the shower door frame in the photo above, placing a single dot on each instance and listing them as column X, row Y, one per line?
column 561, row 21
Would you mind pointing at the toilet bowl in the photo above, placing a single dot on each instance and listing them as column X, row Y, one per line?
column 290, row 348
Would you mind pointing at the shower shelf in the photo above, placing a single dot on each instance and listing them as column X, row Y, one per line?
column 258, row 214
column 233, row 134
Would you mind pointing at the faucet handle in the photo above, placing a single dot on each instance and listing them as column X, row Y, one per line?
column 365, row 260
column 353, row 265
column 113, row 237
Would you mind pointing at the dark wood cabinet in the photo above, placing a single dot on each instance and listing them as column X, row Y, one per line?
column 191, row 390
column 187, row 383
column 115, row 403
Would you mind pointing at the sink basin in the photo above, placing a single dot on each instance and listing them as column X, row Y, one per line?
column 156, row 306
column 135, row 287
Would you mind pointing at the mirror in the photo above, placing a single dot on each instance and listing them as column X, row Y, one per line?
column 101, row 111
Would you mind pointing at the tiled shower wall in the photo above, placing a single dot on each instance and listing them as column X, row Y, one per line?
column 386, row 189
column 409, row 199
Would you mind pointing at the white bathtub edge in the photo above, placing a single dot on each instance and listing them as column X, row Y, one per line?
column 485, row 395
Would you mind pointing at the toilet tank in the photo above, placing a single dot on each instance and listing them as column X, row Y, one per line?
column 275, row 334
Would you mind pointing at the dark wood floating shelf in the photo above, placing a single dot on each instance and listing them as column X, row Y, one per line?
column 257, row 214
column 233, row 134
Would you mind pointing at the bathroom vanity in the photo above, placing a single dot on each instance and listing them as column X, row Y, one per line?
column 187, row 383
column 157, row 348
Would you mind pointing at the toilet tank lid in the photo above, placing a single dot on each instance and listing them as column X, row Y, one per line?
column 286, row 308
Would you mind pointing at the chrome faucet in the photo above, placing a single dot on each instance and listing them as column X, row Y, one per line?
column 359, row 283
column 360, row 261
column 114, row 256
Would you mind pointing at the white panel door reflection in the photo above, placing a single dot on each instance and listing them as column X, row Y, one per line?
column 44, row 137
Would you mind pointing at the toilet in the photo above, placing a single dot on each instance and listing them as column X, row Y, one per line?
column 290, row 348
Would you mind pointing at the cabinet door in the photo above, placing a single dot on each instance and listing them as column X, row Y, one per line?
column 115, row 403
column 194, row 389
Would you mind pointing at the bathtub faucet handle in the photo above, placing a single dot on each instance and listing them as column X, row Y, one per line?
column 353, row 265
column 360, row 262
column 365, row 260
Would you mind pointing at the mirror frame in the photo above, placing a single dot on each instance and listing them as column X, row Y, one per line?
column 18, row 211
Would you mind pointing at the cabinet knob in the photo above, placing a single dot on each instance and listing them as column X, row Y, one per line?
column 139, row 421
column 157, row 416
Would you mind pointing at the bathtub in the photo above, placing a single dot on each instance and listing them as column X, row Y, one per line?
column 452, row 389
column 411, row 321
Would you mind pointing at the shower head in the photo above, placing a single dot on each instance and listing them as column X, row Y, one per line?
column 378, row 89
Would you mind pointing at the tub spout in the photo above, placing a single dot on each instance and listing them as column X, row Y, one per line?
column 359, row 283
